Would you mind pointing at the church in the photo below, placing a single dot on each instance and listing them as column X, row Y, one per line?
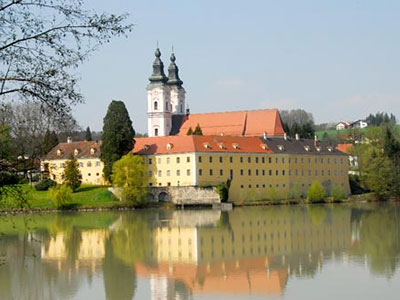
column 168, row 114
column 248, row 149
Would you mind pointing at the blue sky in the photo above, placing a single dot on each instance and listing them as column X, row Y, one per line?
column 338, row 59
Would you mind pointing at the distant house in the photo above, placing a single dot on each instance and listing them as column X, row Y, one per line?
column 343, row 125
column 359, row 124
column 353, row 160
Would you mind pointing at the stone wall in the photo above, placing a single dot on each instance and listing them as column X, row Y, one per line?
column 187, row 195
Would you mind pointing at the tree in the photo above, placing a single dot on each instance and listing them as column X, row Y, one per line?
column 5, row 142
column 298, row 121
column 42, row 41
column 197, row 130
column 50, row 140
column 190, row 131
column 88, row 134
column 72, row 175
column 117, row 136
column 316, row 193
column 129, row 174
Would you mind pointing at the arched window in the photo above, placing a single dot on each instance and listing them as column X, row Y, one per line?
column 155, row 131
column 181, row 108
column 156, row 105
column 166, row 106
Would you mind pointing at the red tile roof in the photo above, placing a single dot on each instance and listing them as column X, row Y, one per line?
column 195, row 143
column 239, row 123
column 344, row 147
column 66, row 149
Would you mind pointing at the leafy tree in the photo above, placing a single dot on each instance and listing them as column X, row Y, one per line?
column 5, row 142
column 316, row 193
column 50, row 140
column 298, row 121
column 117, row 136
column 42, row 41
column 88, row 134
column 129, row 173
column 72, row 175
column 190, row 131
column 197, row 130
column 61, row 195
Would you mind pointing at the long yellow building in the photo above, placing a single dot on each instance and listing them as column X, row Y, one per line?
column 87, row 153
column 258, row 167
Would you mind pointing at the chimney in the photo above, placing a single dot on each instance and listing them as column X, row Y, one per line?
column 285, row 136
column 265, row 135
column 69, row 139
column 297, row 137
column 315, row 138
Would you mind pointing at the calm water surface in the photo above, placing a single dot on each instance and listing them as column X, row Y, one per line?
column 315, row 252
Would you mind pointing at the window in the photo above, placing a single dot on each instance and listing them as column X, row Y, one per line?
column 316, row 160
column 309, row 172
column 97, row 174
column 150, row 173
column 98, row 163
column 341, row 161
column 231, row 174
column 89, row 174
column 283, row 172
column 188, row 172
column 159, row 173
column 200, row 159
column 269, row 159
column 316, row 172
column 241, row 186
column 290, row 172
column 159, row 160
column 276, row 160
column 249, row 172
column 329, row 172
column 283, row 160
column 220, row 159
column 187, row 159
column 200, row 172
column 256, row 160
column 270, row 172
column 62, row 165
column 241, row 172
column 178, row 172
column 155, row 131
column 263, row 160
column 263, row 172
column 322, row 160
column 302, row 160
column 156, row 105
column 276, row 172
column 168, row 160
column 89, row 164
column 211, row 172
column 256, row 172
column 322, row 173
column 249, row 159
column 231, row 159
column 329, row 160
column 210, row 159
column 178, row 160
column 166, row 106
column 221, row 172
column 168, row 173
column 81, row 164
column 241, row 159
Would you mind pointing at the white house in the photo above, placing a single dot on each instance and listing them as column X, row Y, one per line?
column 342, row 125
column 359, row 124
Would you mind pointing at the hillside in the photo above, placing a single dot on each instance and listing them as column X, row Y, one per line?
column 334, row 132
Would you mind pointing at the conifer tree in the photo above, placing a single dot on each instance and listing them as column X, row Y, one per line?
column 190, row 131
column 50, row 140
column 117, row 136
column 72, row 175
column 198, row 130
column 88, row 134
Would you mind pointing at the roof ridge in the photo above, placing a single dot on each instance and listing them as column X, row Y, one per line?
column 236, row 111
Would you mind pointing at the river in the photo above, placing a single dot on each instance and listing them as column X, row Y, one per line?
column 281, row 252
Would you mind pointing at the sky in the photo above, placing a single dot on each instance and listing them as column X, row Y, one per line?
column 338, row 59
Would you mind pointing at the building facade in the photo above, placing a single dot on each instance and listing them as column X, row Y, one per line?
column 259, row 168
column 87, row 153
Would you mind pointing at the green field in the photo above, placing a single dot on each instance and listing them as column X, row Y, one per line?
column 86, row 196
column 334, row 132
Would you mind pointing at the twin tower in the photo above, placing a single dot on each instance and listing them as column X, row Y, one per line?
column 165, row 96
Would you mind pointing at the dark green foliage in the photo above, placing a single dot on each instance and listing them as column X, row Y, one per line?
column 381, row 118
column 88, row 134
column 298, row 121
column 72, row 175
column 190, row 131
column 8, row 178
column 197, row 130
column 117, row 136
column 45, row 184
column 50, row 140
column 223, row 190
column 5, row 142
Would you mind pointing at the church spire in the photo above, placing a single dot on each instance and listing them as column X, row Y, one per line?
column 158, row 75
column 173, row 73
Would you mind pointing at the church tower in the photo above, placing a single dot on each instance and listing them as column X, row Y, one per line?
column 177, row 92
column 159, row 108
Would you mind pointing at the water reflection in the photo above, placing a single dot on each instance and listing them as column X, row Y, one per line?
column 184, row 254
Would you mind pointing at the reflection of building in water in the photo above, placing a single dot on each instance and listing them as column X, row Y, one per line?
column 248, row 251
column 88, row 248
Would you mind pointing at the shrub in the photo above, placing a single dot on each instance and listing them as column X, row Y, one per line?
column 8, row 178
column 45, row 184
column 316, row 193
column 223, row 190
column 337, row 193
column 72, row 175
column 61, row 196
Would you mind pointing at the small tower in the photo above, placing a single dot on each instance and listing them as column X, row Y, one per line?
column 159, row 109
column 177, row 92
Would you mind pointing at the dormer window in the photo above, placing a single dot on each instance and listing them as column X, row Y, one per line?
column 59, row 152
column 207, row 145
column 264, row 146
column 221, row 146
column 280, row 147
column 76, row 152
column 330, row 149
column 235, row 146
column 146, row 147
column 92, row 151
column 307, row 148
column 169, row 146
column 318, row 149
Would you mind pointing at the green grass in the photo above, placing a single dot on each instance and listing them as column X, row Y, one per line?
column 86, row 196
column 334, row 132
